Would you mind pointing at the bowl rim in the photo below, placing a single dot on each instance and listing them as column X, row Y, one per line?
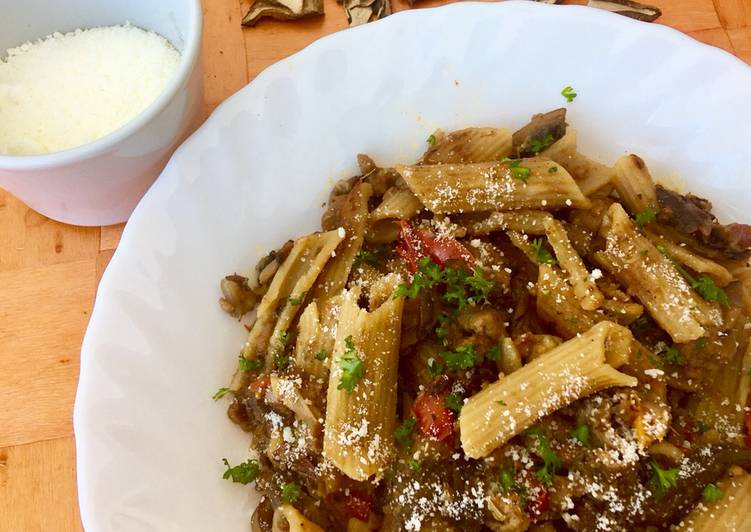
column 90, row 150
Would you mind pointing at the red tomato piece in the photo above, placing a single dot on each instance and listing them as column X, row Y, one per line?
column 416, row 244
column 433, row 418
column 539, row 499
column 260, row 385
column 352, row 504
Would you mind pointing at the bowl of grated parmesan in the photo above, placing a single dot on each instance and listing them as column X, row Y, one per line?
column 94, row 98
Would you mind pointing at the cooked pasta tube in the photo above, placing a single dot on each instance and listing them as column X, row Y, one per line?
column 455, row 188
column 557, row 304
column 471, row 145
column 584, row 284
column 590, row 175
column 288, row 519
column 575, row 369
column 293, row 279
column 728, row 514
column 685, row 256
column 288, row 393
column 525, row 221
column 310, row 356
column 634, row 184
column 396, row 203
column 361, row 416
column 653, row 279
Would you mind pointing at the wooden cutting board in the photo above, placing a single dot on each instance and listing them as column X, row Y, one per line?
column 49, row 271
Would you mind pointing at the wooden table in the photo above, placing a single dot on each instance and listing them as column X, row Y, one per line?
column 49, row 271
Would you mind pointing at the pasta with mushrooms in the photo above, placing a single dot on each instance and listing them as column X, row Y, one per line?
column 505, row 335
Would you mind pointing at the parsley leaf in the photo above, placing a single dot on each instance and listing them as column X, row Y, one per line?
column 463, row 357
column 435, row 368
column 542, row 254
column 365, row 256
column 711, row 493
column 221, row 392
column 537, row 145
column 454, row 402
column 581, row 434
column 552, row 462
column 283, row 337
column 352, row 366
column 494, row 353
column 647, row 216
column 281, row 360
column 403, row 433
column 517, row 172
column 479, row 286
column 501, row 402
column 552, row 169
column 290, row 492
column 414, row 465
column 506, row 480
column 321, row 355
column 427, row 274
column 701, row 343
column 244, row 473
column 671, row 355
column 297, row 300
column 431, row 140
column 568, row 93
column 702, row 427
column 663, row 479
column 246, row 364
column 709, row 290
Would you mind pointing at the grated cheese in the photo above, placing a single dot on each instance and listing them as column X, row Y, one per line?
column 70, row 89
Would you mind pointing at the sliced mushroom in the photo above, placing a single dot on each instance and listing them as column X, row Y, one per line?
column 282, row 10
column 544, row 128
column 238, row 299
column 362, row 11
column 628, row 8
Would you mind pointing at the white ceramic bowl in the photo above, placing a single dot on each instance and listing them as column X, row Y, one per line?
column 101, row 182
column 149, row 438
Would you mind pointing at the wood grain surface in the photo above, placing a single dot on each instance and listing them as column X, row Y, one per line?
column 49, row 271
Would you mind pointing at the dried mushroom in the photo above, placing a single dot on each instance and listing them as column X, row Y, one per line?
column 282, row 10
column 362, row 11
column 628, row 8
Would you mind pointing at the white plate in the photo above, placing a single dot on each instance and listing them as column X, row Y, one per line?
column 149, row 436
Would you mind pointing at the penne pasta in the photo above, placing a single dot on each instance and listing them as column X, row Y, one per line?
column 685, row 256
column 360, row 422
column 460, row 188
column 471, row 145
column 583, row 282
column 591, row 176
column 524, row 221
column 650, row 277
column 310, row 355
column 727, row 514
column 575, row 369
column 397, row 203
column 634, row 184
column 557, row 304
column 295, row 277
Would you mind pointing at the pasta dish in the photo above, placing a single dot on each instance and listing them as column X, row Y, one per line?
column 506, row 335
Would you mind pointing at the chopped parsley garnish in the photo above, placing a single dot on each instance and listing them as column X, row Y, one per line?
column 542, row 254
column 290, row 492
column 552, row 169
column 244, row 473
column 461, row 289
column 442, row 334
column 702, row 427
column 463, row 357
column 435, row 368
column 297, row 300
column 663, row 479
column 281, row 360
column 517, row 172
column 414, row 465
column 648, row 215
column 246, row 364
column 283, row 337
column 552, row 462
column 568, row 93
column 506, row 480
column 701, row 343
column 671, row 355
column 581, row 434
column 321, row 355
column 494, row 353
column 221, row 392
column 431, row 140
column 501, row 402
column 537, row 145
column 403, row 433
column 365, row 256
column 711, row 493
column 454, row 402
column 704, row 285
column 352, row 366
